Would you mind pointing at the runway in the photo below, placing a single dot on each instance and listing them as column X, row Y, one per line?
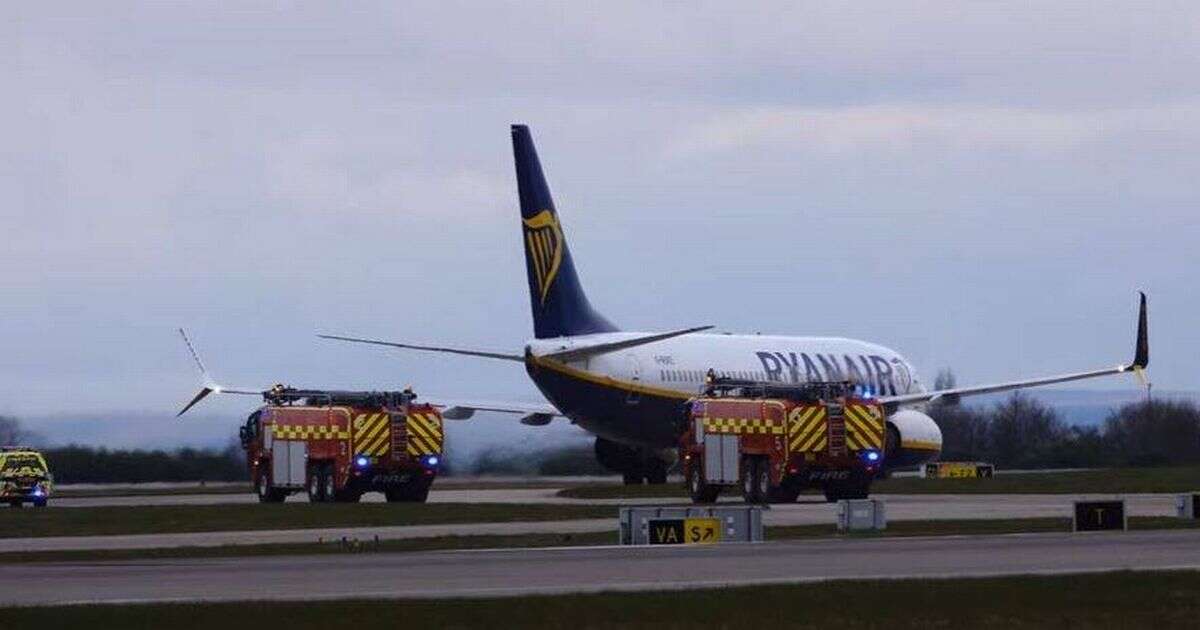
column 810, row 512
column 547, row 571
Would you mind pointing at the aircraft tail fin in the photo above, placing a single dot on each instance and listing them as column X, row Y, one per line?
column 560, row 307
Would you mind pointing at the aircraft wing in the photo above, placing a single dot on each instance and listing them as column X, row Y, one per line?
column 533, row 414
column 572, row 354
column 1141, row 359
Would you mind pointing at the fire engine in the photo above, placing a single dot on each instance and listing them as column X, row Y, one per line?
column 338, row 445
column 24, row 477
column 775, row 440
column 335, row 445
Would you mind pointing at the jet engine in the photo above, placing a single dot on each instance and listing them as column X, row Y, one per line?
column 913, row 438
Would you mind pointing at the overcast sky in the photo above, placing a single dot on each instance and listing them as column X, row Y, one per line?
column 974, row 185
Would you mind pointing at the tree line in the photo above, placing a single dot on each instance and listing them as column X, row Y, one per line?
column 89, row 464
column 1021, row 432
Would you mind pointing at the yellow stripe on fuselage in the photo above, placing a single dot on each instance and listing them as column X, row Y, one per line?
column 608, row 381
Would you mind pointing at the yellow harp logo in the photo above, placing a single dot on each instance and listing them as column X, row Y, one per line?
column 544, row 243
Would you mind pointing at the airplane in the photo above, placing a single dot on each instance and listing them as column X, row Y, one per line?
column 626, row 388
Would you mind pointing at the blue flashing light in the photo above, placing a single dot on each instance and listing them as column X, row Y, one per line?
column 872, row 456
column 362, row 462
column 38, row 492
column 432, row 460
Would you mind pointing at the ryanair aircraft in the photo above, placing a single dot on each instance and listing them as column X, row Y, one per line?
column 626, row 387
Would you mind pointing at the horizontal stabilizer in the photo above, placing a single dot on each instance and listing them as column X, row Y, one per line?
column 461, row 410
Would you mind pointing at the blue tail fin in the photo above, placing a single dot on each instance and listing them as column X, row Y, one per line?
column 559, row 306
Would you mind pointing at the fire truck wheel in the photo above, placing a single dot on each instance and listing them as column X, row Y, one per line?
column 267, row 494
column 632, row 479
column 786, row 492
column 15, row 504
column 411, row 492
column 756, row 479
column 314, row 484
column 699, row 490
column 328, row 485
column 762, row 480
column 348, row 496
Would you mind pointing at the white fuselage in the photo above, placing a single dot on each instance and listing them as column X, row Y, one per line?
column 680, row 364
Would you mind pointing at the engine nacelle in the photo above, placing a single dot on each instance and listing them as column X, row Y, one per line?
column 913, row 438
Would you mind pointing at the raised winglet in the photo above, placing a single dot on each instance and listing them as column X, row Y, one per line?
column 210, row 385
column 1141, row 355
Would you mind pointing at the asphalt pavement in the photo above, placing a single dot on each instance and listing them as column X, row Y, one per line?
column 565, row 570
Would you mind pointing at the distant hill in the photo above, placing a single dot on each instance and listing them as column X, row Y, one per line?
column 134, row 429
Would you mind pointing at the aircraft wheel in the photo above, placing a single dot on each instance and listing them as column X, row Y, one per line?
column 656, row 472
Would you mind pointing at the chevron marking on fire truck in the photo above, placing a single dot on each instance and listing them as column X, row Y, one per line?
column 371, row 434
column 806, row 429
column 864, row 429
column 742, row 426
column 424, row 435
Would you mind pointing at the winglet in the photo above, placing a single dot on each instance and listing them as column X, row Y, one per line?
column 204, row 391
column 209, row 385
column 1141, row 357
column 196, row 357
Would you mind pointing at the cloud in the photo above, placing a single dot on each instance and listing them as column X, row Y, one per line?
column 905, row 130
column 261, row 171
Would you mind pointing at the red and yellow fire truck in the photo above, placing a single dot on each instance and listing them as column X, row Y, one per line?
column 775, row 440
column 337, row 445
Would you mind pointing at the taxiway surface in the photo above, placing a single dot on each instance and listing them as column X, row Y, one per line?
column 543, row 571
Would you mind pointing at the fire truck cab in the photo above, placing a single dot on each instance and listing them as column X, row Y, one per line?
column 338, row 445
column 775, row 440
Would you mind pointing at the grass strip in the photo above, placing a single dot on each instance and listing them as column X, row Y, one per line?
column 442, row 543
column 1105, row 481
column 448, row 483
column 134, row 491
column 159, row 519
column 1107, row 600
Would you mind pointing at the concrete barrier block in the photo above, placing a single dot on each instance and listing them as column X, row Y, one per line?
column 866, row 515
